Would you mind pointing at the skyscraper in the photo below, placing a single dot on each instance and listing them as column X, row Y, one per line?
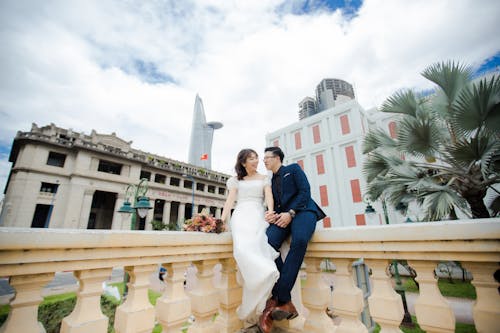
column 202, row 133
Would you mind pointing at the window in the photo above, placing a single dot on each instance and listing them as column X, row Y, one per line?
column 344, row 124
column 41, row 217
column 298, row 140
column 49, row 187
column 392, row 129
column 323, row 194
column 56, row 159
column 109, row 167
column 188, row 184
column 360, row 219
column 349, row 153
column 145, row 174
column 222, row 190
column 327, row 222
column 320, row 165
column 211, row 189
column 301, row 163
column 276, row 143
column 355, row 190
column 200, row 187
column 316, row 134
column 175, row 181
column 161, row 179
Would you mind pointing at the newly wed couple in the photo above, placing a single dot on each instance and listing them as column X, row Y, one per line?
column 258, row 234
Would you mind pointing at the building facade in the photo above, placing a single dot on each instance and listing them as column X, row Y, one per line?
column 328, row 147
column 65, row 179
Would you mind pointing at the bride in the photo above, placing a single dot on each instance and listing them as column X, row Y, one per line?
column 253, row 255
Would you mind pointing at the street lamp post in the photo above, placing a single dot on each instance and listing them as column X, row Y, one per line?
column 140, row 204
column 139, row 207
column 192, row 192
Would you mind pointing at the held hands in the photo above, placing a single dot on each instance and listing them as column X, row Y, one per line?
column 282, row 220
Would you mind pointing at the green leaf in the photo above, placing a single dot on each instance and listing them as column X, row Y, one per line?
column 402, row 102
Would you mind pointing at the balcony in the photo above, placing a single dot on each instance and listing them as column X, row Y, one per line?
column 30, row 257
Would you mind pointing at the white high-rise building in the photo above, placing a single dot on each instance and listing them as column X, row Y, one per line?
column 332, row 92
column 328, row 147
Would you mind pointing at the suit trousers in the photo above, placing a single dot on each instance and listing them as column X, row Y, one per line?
column 301, row 229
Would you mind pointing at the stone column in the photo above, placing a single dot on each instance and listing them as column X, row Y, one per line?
column 218, row 212
column 180, row 216
column 166, row 212
column 86, row 206
column 486, row 310
column 316, row 296
column 434, row 313
column 348, row 299
column 386, row 305
column 136, row 314
column 87, row 315
column 23, row 316
column 204, row 299
column 149, row 219
column 117, row 222
column 173, row 308
column 230, row 298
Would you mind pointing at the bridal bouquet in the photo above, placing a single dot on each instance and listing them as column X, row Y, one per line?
column 204, row 222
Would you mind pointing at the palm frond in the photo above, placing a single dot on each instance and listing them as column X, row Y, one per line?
column 451, row 77
column 478, row 106
column 439, row 204
column 475, row 150
column 402, row 102
column 419, row 137
column 377, row 138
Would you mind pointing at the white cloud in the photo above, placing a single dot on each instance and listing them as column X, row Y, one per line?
column 72, row 63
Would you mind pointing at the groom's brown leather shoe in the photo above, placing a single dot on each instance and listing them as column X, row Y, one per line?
column 285, row 311
column 265, row 320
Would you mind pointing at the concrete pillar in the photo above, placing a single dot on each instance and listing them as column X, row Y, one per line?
column 86, row 207
column 166, row 212
column 434, row 313
column 218, row 212
column 23, row 316
column 181, row 211
column 117, row 223
column 386, row 305
column 87, row 315
column 149, row 218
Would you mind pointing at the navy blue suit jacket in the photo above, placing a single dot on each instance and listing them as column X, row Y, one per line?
column 295, row 192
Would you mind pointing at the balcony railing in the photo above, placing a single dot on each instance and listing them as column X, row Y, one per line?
column 30, row 257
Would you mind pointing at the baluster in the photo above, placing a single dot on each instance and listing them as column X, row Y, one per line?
column 174, row 307
column 87, row 315
column 204, row 298
column 434, row 313
column 23, row 316
column 486, row 310
column 230, row 298
column 136, row 314
column 348, row 299
column 316, row 296
column 386, row 305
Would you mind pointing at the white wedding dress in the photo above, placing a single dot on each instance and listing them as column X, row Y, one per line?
column 253, row 254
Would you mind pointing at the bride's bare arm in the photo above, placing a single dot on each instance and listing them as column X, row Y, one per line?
column 231, row 197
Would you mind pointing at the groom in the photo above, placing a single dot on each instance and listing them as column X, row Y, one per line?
column 296, row 215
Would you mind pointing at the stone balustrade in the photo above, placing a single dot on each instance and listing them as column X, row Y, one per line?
column 30, row 257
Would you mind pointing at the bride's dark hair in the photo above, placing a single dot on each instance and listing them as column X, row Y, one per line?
column 242, row 157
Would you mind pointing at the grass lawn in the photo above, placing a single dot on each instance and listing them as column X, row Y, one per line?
column 457, row 288
column 459, row 328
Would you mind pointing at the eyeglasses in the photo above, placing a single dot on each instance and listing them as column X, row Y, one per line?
column 268, row 157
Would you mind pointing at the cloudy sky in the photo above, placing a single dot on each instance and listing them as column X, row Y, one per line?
column 135, row 67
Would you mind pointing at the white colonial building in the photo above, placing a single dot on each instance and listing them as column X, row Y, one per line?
column 328, row 147
column 65, row 179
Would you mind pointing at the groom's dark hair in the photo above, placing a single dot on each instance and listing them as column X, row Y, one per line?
column 276, row 152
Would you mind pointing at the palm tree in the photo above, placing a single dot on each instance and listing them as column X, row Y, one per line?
column 447, row 151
